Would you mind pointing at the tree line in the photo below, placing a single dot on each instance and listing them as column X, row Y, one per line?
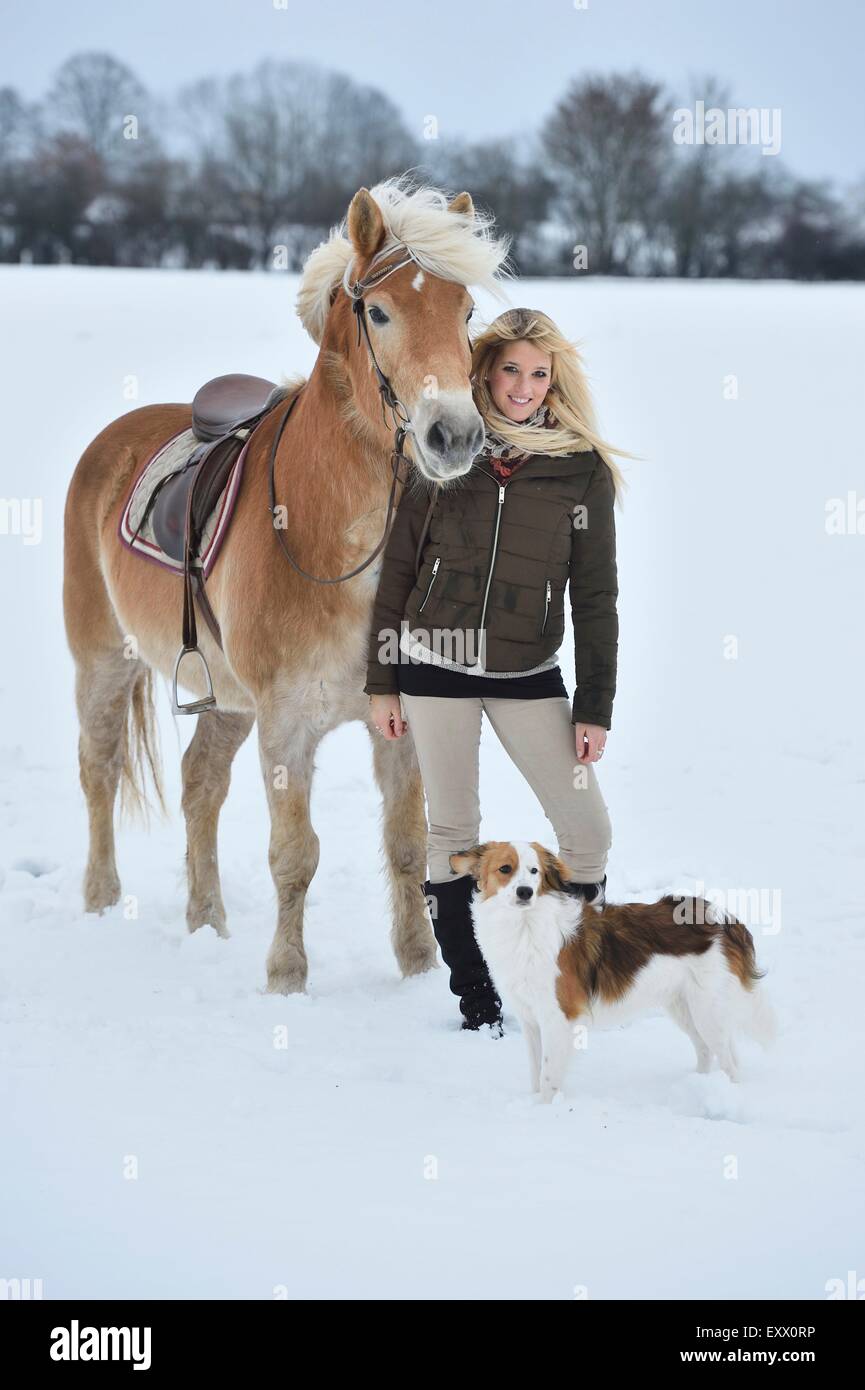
column 250, row 171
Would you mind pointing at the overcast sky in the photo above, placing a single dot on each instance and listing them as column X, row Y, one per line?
column 485, row 67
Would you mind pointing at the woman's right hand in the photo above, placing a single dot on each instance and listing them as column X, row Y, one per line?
column 387, row 715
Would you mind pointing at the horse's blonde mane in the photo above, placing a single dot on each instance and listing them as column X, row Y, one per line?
column 453, row 245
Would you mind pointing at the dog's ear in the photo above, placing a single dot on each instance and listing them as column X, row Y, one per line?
column 467, row 861
column 554, row 872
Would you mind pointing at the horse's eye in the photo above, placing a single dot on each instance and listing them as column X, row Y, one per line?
column 470, row 312
column 505, row 869
column 377, row 315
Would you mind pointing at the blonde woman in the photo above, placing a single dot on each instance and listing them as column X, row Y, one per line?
column 473, row 579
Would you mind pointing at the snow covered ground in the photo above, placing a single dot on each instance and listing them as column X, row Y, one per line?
column 382, row 1153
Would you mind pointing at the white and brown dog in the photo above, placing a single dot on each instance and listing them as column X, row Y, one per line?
column 563, row 965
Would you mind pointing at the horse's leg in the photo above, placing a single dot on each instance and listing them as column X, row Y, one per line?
column 104, row 686
column 206, row 776
column 404, row 832
column 287, row 750
column 118, row 738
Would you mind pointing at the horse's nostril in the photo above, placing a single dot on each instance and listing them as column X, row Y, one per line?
column 437, row 440
column 452, row 443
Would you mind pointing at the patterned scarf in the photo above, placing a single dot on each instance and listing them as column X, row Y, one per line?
column 505, row 458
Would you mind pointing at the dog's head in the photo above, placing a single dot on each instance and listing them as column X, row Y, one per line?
column 516, row 873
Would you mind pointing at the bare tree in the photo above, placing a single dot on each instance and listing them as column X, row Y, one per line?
column 93, row 96
column 259, row 130
column 19, row 127
column 364, row 139
column 517, row 190
column 52, row 195
column 695, row 173
column 605, row 144
column 292, row 142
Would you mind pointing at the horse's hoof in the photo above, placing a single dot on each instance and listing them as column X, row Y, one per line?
column 285, row 984
column 208, row 918
column 219, row 927
column 100, row 894
column 417, row 961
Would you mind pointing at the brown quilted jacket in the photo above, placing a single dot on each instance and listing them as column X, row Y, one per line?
column 491, row 557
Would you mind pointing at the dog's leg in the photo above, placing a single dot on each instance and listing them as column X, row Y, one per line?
column 714, row 1028
column 557, row 1043
column 728, row 1057
column 532, row 1034
column 680, row 1013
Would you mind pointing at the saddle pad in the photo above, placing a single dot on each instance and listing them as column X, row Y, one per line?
column 168, row 458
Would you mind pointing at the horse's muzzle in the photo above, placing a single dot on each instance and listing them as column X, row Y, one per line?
column 447, row 434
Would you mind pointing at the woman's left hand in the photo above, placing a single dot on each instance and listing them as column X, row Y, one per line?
column 591, row 741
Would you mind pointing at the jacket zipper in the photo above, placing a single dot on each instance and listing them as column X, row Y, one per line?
column 435, row 570
column 546, row 608
column 501, row 487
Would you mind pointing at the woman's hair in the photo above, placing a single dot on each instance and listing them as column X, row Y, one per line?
column 568, row 396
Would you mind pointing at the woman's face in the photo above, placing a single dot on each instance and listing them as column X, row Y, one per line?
column 520, row 379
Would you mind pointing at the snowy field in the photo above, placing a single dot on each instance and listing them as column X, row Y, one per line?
column 382, row 1153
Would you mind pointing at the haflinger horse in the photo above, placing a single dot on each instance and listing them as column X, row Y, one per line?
column 294, row 652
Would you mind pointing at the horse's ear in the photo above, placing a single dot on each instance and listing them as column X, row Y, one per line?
column 462, row 203
column 365, row 223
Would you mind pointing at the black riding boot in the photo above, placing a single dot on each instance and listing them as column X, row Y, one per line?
column 595, row 894
column 450, row 910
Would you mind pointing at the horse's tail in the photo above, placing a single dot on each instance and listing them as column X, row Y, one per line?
column 141, row 751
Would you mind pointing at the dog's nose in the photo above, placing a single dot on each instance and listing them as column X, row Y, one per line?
column 524, row 893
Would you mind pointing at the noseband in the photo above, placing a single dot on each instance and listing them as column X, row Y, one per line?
column 399, row 421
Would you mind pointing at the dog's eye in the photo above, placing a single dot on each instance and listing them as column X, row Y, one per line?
column 533, row 871
column 505, row 869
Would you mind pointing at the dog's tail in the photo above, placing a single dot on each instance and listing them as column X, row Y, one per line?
column 758, row 1018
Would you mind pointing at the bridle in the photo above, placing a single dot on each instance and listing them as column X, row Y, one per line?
column 399, row 421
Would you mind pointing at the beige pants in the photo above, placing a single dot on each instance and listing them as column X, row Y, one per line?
column 539, row 737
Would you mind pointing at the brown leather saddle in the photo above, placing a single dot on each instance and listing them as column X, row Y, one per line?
column 224, row 413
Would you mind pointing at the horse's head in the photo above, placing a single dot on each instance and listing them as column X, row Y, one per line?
column 410, row 257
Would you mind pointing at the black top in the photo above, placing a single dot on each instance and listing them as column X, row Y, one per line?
column 426, row 678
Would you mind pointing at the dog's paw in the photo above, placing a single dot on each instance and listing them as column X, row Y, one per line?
column 547, row 1096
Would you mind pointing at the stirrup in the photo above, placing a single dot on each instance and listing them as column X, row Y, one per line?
column 194, row 706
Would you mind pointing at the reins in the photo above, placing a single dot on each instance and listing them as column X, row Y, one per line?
column 400, row 422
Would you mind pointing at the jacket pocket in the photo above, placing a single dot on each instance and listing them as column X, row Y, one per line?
column 435, row 570
column 548, row 593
